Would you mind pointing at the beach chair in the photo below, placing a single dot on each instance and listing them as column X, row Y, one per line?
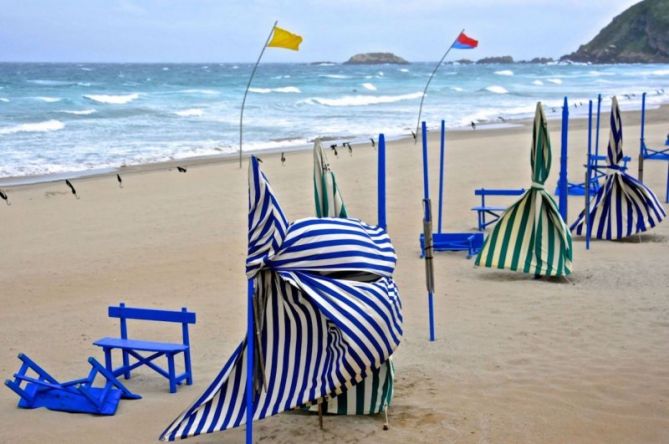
column 77, row 396
column 494, row 211
column 646, row 153
column 133, row 347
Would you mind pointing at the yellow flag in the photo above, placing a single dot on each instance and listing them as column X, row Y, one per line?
column 285, row 39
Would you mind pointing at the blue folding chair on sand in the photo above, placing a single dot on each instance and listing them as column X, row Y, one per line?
column 647, row 153
column 77, row 396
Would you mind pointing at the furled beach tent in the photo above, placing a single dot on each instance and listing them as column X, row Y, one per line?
column 531, row 236
column 327, row 313
column 329, row 202
column 373, row 394
column 623, row 206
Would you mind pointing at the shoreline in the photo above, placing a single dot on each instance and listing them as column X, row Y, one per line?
column 578, row 120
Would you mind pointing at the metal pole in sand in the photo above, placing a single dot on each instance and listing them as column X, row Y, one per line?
column 381, row 183
column 441, row 173
column 250, row 365
column 563, row 185
column 587, row 180
column 427, row 234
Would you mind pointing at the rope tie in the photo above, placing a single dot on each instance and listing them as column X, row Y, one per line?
column 538, row 186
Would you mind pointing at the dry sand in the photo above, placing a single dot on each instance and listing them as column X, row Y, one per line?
column 516, row 360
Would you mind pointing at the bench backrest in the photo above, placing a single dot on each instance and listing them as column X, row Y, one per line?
column 499, row 192
column 184, row 317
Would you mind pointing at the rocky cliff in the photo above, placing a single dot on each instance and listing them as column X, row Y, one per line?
column 638, row 35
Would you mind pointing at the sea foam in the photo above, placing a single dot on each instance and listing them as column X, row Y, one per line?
column 555, row 81
column 49, row 99
column 38, row 127
column 496, row 89
column 112, row 100
column 192, row 112
column 83, row 112
column 537, row 82
column 361, row 100
column 283, row 89
column 504, row 72
column 369, row 86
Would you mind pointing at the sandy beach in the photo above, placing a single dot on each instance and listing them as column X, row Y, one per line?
column 517, row 360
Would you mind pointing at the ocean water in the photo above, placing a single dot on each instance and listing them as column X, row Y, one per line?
column 57, row 118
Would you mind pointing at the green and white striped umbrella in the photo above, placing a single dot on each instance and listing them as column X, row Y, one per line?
column 329, row 202
column 374, row 393
column 531, row 236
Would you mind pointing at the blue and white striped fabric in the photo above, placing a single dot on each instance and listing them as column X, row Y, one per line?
column 623, row 205
column 328, row 312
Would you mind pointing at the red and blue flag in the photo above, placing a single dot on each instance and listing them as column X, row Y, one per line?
column 465, row 42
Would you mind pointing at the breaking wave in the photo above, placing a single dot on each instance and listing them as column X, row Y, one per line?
column 361, row 100
column 38, row 127
column 112, row 100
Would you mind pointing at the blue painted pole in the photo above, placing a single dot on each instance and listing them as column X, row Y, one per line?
column 642, row 142
column 427, row 222
column 250, row 354
column 587, row 179
column 564, row 186
column 599, row 109
column 426, row 184
column 381, row 182
column 441, row 173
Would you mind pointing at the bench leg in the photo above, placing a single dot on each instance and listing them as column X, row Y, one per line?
column 108, row 360
column 189, row 371
column 172, row 375
column 126, row 365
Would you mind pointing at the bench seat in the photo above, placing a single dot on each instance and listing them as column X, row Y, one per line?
column 134, row 344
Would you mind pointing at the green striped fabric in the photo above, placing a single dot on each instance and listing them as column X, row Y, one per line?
column 329, row 202
column 531, row 236
column 374, row 393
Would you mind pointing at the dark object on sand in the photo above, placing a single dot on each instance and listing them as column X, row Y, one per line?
column 74, row 191
column 181, row 169
column 119, row 180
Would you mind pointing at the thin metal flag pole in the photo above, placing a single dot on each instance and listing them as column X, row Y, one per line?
column 248, row 85
column 427, row 85
column 250, row 365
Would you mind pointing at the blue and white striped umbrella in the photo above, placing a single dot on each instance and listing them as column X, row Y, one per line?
column 328, row 313
column 623, row 205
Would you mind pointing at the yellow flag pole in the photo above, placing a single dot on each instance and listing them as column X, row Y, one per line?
column 248, row 85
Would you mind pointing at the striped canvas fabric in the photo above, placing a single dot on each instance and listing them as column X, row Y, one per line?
column 373, row 394
column 531, row 236
column 329, row 202
column 327, row 312
column 623, row 205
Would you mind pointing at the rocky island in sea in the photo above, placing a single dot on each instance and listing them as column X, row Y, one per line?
column 375, row 58
column 639, row 35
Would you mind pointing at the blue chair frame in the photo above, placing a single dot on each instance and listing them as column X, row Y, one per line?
column 646, row 153
column 493, row 211
column 133, row 347
column 77, row 396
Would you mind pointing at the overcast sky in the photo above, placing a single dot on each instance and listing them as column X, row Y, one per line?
column 234, row 30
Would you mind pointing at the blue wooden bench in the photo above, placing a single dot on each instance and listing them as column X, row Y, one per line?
column 494, row 211
column 133, row 347
column 469, row 242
